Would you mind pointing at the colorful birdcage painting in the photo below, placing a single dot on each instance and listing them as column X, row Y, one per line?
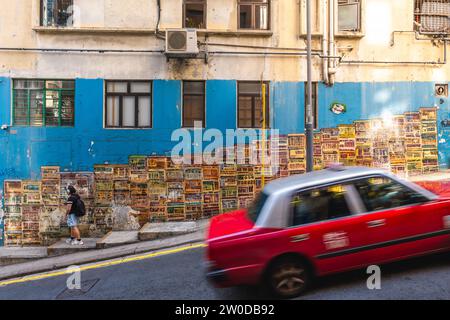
column 104, row 197
column 296, row 141
column 347, row 144
column 429, row 141
column 210, row 185
column 122, row 198
column 174, row 175
column 176, row 212
column 13, row 199
column 104, row 172
column 245, row 202
column 155, row 163
column 157, row 188
column 229, row 192
column 297, row 153
column 193, row 186
column 157, row 175
column 194, row 211
column 175, row 192
column 347, row 158
column 211, row 172
column 138, row 176
column 13, row 186
column 227, row 205
column 430, row 154
column 246, row 190
column 50, row 172
column 428, row 127
column 228, row 170
column 32, row 198
column 297, row 166
column 228, row 181
column 347, row 131
column 137, row 163
column 428, row 114
column 121, row 172
column 193, row 173
column 121, row 185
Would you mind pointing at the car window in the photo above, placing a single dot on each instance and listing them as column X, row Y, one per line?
column 381, row 193
column 319, row 204
column 255, row 208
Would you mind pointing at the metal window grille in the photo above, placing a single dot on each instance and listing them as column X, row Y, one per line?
column 432, row 16
column 42, row 103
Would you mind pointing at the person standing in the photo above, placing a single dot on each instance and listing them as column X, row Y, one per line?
column 72, row 217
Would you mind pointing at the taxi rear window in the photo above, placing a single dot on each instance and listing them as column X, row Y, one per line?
column 256, row 207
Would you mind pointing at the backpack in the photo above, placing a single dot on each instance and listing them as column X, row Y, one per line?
column 81, row 208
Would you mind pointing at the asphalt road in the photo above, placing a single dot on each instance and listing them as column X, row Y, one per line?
column 180, row 276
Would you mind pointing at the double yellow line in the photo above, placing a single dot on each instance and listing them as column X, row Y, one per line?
column 101, row 265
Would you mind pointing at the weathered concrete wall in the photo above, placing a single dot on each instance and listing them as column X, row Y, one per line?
column 380, row 18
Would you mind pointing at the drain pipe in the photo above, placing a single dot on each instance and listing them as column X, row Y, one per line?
column 332, row 46
column 325, row 42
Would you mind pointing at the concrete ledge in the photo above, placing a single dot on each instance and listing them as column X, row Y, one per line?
column 118, row 238
column 153, row 231
column 61, row 247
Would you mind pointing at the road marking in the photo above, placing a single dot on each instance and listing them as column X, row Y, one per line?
column 101, row 264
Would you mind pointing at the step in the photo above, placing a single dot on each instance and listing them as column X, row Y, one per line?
column 61, row 247
column 159, row 230
column 118, row 238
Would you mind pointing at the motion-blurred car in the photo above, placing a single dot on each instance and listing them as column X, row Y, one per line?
column 321, row 223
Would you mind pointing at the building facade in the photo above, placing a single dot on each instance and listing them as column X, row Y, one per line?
column 88, row 82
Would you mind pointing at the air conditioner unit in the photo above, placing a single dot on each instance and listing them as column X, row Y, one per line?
column 435, row 17
column 181, row 43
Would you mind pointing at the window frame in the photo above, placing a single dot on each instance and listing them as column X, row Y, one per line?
column 349, row 198
column 136, row 96
column 44, row 100
column 253, row 4
column 418, row 18
column 183, row 95
column 350, row 33
column 205, row 15
column 366, row 210
column 268, row 104
column 41, row 17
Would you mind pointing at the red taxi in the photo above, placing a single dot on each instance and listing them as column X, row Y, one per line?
column 321, row 223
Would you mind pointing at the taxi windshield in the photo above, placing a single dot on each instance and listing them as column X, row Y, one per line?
column 255, row 208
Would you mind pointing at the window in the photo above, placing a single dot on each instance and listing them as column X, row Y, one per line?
column 194, row 12
column 349, row 15
column 43, row 103
column 319, row 205
column 256, row 207
column 128, row 104
column 250, row 114
column 254, row 14
column 193, row 103
column 56, row 13
column 432, row 16
column 380, row 193
column 314, row 102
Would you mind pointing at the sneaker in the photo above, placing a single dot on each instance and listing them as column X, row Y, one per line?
column 69, row 241
column 77, row 243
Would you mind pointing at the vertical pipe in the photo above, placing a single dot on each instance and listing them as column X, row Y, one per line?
column 263, row 179
column 309, row 115
column 325, row 41
column 331, row 50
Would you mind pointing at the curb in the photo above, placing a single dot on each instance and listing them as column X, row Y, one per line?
column 93, row 256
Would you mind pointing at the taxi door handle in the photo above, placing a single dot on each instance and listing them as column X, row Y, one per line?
column 376, row 223
column 300, row 237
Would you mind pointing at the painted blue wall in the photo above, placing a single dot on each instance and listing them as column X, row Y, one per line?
column 23, row 150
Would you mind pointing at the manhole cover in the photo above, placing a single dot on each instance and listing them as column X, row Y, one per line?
column 86, row 286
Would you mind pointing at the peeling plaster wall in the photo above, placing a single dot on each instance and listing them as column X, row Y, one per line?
column 379, row 19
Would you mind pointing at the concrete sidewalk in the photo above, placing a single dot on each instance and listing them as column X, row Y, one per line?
column 83, row 257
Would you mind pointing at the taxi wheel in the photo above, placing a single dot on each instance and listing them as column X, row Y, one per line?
column 288, row 278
